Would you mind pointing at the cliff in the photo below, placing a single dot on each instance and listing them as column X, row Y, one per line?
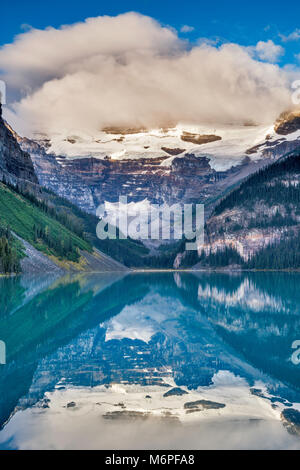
column 15, row 164
column 258, row 224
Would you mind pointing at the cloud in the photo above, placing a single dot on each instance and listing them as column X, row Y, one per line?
column 268, row 51
column 25, row 27
column 209, row 41
column 186, row 29
column 294, row 36
column 130, row 71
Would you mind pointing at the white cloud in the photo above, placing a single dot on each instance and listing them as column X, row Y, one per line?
column 294, row 36
column 128, row 70
column 208, row 41
column 187, row 29
column 268, row 51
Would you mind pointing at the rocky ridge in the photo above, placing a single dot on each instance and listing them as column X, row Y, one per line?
column 15, row 164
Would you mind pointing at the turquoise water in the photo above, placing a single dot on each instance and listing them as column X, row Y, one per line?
column 90, row 359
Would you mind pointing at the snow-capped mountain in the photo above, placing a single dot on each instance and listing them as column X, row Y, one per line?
column 226, row 145
column 179, row 164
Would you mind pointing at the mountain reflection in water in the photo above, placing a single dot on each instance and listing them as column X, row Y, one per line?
column 89, row 359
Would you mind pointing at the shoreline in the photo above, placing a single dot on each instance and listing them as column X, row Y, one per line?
column 169, row 270
column 216, row 270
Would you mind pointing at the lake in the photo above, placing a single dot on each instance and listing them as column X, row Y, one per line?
column 150, row 361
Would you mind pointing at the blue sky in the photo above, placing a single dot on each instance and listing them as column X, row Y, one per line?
column 244, row 23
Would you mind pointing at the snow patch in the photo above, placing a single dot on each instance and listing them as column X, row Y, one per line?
column 223, row 153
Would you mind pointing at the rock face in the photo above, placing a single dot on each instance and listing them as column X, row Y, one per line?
column 88, row 182
column 36, row 262
column 71, row 404
column 274, row 150
column 201, row 405
column 288, row 123
column 175, row 392
column 14, row 162
column 173, row 151
column 228, row 231
column 199, row 139
column 260, row 213
column 291, row 419
column 122, row 130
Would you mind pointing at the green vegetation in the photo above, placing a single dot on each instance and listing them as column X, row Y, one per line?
column 274, row 186
column 221, row 258
column 10, row 252
column 36, row 223
column 282, row 255
column 266, row 185
column 190, row 259
column 62, row 214
column 129, row 252
column 57, row 227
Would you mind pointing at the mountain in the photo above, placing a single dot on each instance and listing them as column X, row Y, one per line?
column 44, row 238
column 182, row 164
column 40, row 232
column 257, row 225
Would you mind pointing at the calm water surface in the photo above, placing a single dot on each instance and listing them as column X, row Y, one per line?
column 157, row 360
